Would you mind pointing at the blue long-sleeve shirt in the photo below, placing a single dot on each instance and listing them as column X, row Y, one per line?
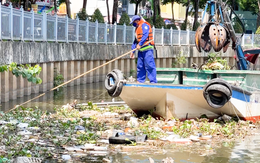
column 145, row 28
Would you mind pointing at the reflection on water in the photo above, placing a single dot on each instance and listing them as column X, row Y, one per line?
column 179, row 157
column 82, row 93
column 247, row 151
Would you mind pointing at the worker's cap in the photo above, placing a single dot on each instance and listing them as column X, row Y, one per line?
column 134, row 18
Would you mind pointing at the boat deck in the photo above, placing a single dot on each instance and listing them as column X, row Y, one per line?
column 245, row 79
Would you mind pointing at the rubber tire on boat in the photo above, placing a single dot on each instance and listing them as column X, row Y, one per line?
column 107, row 81
column 119, row 74
column 218, row 81
column 217, row 86
column 222, row 98
column 116, row 89
column 119, row 86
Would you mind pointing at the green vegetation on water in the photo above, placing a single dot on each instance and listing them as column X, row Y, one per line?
column 49, row 134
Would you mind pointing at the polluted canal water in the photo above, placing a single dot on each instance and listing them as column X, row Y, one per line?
column 172, row 139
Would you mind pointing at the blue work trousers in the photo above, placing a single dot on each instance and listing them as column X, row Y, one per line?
column 146, row 64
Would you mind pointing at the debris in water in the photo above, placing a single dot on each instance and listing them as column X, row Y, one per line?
column 81, row 131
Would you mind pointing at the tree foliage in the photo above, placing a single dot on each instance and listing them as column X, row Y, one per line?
column 124, row 19
column 29, row 72
column 61, row 1
column 97, row 16
column 253, row 6
column 196, row 4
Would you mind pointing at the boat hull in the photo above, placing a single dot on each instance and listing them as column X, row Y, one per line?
column 184, row 102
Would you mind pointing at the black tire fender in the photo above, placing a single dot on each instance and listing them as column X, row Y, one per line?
column 222, row 89
column 108, row 87
column 218, row 81
column 116, row 89
column 217, row 93
column 119, row 74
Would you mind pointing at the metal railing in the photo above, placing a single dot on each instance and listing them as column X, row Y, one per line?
column 17, row 24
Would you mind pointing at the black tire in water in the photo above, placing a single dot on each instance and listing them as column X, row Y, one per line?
column 124, row 139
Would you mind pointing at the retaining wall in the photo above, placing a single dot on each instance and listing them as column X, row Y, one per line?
column 73, row 59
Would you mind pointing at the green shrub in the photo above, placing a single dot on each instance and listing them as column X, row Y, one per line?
column 150, row 21
column 197, row 24
column 159, row 22
column 58, row 78
column 82, row 15
column 168, row 26
column 124, row 19
column 185, row 26
column 97, row 16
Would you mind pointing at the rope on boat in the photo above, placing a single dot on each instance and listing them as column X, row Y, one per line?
column 234, row 111
column 248, row 111
column 78, row 77
column 255, row 86
column 251, row 87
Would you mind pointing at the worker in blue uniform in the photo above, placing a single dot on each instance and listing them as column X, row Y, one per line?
column 144, row 44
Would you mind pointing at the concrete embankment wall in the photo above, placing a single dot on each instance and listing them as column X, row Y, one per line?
column 73, row 59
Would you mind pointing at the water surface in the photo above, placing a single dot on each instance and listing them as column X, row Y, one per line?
column 246, row 151
column 82, row 93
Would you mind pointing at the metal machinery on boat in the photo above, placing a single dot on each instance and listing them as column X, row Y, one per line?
column 218, row 33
